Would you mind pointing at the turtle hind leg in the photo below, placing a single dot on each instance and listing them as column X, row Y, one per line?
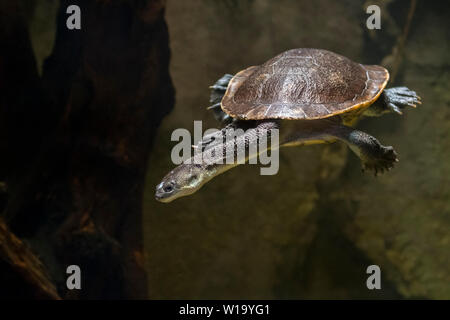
column 217, row 93
column 393, row 100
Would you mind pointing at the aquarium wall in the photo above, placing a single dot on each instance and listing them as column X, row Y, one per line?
column 311, row 230
column 86, row 123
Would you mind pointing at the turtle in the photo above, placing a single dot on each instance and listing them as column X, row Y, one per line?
column 311, row 96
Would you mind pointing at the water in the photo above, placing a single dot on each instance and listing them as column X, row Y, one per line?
column 313, row 229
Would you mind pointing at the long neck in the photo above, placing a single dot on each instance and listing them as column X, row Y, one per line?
column 236, row 146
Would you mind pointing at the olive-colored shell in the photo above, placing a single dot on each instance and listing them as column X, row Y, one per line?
column 303, row 84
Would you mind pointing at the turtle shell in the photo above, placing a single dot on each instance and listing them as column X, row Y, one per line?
column 303, row 84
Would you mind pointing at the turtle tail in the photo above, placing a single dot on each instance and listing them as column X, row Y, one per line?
column 217, row 93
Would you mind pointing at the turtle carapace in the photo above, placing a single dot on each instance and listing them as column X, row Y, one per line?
column 311, row 96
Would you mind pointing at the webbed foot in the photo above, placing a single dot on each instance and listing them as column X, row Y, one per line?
column 222, row 83
column 380, row 159
column 217, row 92
column 398, row 98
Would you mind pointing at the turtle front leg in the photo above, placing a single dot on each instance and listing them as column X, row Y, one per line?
column 374, row 156
column 393, row 100
column 218, row 89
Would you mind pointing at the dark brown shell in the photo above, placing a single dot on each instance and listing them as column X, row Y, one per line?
column 303, row 84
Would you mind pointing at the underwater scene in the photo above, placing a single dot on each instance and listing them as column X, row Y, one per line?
column 103, row 104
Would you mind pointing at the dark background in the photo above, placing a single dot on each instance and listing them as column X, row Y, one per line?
column 80, row 155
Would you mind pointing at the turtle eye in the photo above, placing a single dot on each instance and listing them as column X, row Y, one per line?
column 168, row 188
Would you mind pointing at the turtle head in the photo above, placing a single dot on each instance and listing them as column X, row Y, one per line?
column 181, row 181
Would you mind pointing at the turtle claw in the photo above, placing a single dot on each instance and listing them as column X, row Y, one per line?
column 383, row 161
column 399, row 98
column 216, row 105
column 394, row 108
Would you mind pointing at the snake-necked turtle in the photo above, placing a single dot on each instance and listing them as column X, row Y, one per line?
column 311, row 96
